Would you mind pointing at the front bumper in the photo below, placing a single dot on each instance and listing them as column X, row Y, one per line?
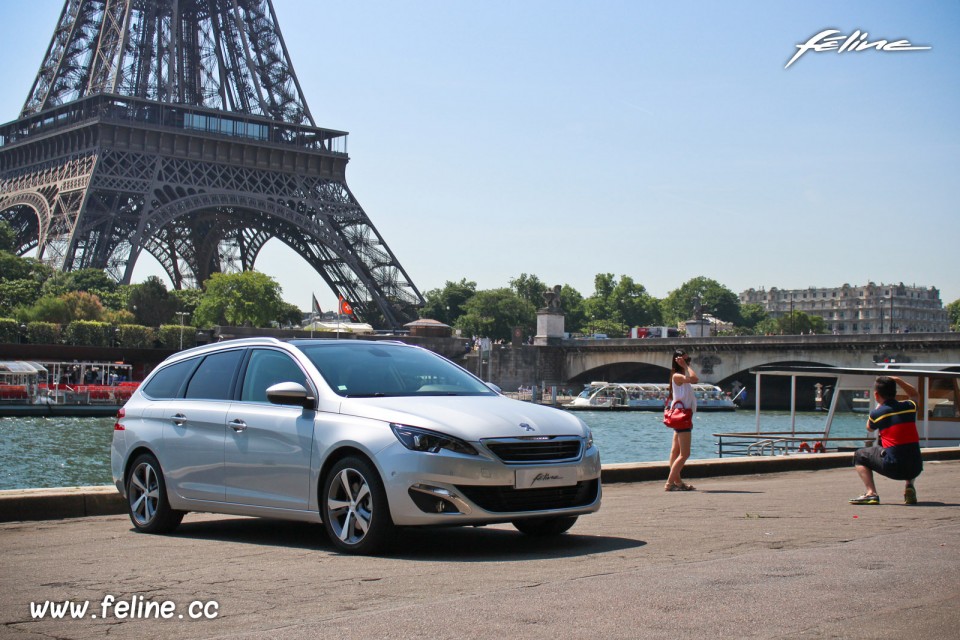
column 444, row 488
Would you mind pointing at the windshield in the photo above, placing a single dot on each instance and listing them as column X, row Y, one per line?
column 373, row 370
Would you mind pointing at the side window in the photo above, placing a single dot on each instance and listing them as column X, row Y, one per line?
column 167, row 382
column 265, row 369
column 214, row 376
column 942, row 402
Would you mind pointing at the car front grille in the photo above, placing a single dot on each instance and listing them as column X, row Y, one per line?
column 506, row 499
column 535, row 449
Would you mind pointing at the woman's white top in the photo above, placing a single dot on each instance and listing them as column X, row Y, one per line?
column 684, row 393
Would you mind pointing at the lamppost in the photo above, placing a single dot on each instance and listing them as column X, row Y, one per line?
column 181, row 314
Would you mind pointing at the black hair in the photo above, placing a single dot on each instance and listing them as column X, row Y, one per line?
column 886, row 387
column 676, row 368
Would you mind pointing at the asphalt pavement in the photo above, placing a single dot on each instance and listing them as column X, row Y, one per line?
column 778, row 555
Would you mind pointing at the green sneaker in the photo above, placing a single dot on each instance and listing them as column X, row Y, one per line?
column 866, row 499
column 910, row 495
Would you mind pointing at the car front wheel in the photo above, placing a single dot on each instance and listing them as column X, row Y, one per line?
column 147, row 502
column 354, row 508
column 545, row 526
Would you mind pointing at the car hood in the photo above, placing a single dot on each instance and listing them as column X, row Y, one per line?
column 468, row 417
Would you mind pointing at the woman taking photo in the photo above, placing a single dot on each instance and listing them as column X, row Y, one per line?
column 681, row 391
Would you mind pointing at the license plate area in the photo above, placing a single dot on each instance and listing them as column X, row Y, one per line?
column 545, row 477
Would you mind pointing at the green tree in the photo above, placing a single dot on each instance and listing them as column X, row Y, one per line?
column 494, row 313
column 623, row 302
column 47, row 309
column 573, row 310
column 89, row 280
column 289, row 315
column 767, row 327
column 953, row 315
column 793, row 323
column 152, row 305
column 715, row 299
column 16, row 268
column 188, row 299
column 632, row 304
column 8, row 238
column 17, row 293
column 116, row 300
column 609, row 328
column 751, row 314
column 447, row 304
column 238, row 299
column 530, row 288
column 597, row 306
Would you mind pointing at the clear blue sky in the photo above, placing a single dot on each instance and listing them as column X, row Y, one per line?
column 661, row 140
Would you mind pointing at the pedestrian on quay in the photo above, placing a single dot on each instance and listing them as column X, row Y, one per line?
column 898, row 454
column 682, row 377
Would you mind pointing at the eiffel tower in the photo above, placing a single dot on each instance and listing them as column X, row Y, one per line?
column 179, row 128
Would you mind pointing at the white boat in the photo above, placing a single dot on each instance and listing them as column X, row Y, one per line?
column 938, row 422
column 644, row 396
column 64, row 388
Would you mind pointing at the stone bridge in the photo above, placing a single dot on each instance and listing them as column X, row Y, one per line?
column 721, row 360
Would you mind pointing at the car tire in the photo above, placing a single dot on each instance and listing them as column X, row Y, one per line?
column 147, row 502
column 354, row 508
column 542, row 527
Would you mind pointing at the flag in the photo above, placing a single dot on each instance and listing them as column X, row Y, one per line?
column 345, row 307
column 316, row 306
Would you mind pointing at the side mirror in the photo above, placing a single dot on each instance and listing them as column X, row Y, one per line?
column 494, row 388
column 291, row 393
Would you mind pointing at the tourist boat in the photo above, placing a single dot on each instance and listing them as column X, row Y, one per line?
column 644, row 396
column 938, row 421
column 77, row 388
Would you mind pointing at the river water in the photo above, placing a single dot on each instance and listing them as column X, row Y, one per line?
column 61, row 452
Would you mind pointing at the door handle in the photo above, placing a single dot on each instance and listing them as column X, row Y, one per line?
column 179, row 419
column 238, row 425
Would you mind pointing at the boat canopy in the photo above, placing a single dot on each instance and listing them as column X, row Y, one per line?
column 21, row 367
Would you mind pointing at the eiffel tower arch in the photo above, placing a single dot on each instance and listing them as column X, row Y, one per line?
column 178, row 128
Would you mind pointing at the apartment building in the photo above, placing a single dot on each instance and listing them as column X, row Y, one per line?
column 849, row 310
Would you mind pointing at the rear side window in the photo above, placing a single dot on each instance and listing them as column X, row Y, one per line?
column 166, row 383
column 214, row 377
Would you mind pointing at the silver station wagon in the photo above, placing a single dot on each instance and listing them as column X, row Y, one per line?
column 362, row 436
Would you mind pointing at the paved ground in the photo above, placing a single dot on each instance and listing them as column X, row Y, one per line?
column 764, row 556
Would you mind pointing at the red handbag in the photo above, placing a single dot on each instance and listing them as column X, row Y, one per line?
column 676, row 416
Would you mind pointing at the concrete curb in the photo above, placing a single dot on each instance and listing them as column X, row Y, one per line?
column 79, row 502
column 646, row 471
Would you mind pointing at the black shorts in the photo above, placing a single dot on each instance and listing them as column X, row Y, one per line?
column 902, row 462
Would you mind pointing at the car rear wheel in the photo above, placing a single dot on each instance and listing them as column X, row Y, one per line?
column 545, row 526
column 354, row 508
column 147, row 501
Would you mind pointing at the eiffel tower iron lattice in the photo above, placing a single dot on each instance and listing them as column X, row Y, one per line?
column 179, row 128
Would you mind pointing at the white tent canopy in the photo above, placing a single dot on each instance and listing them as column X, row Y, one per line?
column 341, row 327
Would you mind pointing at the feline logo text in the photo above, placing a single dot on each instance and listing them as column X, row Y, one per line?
column 856, row 41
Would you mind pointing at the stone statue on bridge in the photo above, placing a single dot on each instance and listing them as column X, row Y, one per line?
column 551, row 298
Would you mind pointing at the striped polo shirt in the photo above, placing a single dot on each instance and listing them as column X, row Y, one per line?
column 897, row 422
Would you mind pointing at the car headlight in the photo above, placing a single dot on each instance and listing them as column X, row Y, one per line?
column 430, row 441
column 588, row 439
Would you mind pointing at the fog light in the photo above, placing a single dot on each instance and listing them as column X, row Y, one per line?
column 430, row 499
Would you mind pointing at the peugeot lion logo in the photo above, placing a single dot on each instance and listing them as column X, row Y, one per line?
column 525, row 426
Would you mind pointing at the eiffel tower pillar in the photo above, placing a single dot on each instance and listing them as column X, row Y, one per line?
column 186, row 136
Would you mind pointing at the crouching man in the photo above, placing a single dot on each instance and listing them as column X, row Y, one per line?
column 898, row 456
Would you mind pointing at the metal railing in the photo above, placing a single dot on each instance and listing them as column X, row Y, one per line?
column 783, row 443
